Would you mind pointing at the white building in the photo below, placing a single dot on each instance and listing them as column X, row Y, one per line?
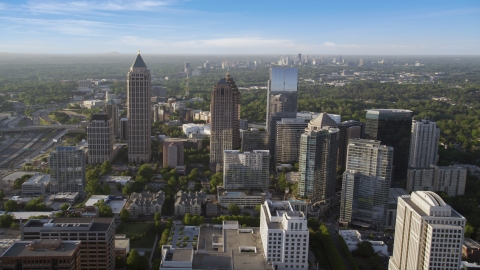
column 67, row 169
column 428, row 234
column 145, row 203
column 189, row 202
column 189, row 129
column 246, row 170
column 424, row 144
column 36, row 185
column 449, row 179
column 89, row 104
column 353, row 237
column 284, row 235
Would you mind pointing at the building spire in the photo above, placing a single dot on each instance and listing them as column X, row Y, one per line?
column 138, row 51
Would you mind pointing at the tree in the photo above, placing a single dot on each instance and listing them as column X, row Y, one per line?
column 10, row 206
column 469, row 230
column 2, row 195
column 119, row 187
column 104, row 209
column 187, row 219
column 146, row 172
column 124, row 215
column 157, row 217
column 106, row 189
column 6, row 220
column 64, row 207
column 193, row 175
column 234, row 209
column 106, row 167
column 133, row 260
column 14, row 225
column 127, row 190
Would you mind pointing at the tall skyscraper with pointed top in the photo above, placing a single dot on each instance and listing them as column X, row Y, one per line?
column 225, row 121
column 138, row 111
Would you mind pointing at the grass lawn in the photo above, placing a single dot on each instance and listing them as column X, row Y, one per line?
column 141, row 235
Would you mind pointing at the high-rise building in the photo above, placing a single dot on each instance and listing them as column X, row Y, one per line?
column 173, row 155
column 318, row 160
column 139, row 112
column 100, row 139
column 287, row 142
column 366, row 183
column 448, row 179
column 284, row 235
column 186, row 67
column 428, row 234
column 361, row 62
column 225, row 120
column 392, row 127
column 424, row 144
column 282, row 99
column 97, row 237
column 246, row 170
column 67, row 169
column 254, row 139
column 124, row 129
column 347, row 130
column 111, row 109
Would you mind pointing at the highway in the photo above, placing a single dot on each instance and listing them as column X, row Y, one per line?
column 17, row 148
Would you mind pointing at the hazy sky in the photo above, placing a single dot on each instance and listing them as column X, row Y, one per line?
column 241, row 26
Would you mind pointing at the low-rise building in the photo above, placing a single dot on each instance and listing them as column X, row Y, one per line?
column 242, row 198
column 69, row 197
column 122, row 246
column 42, row 254
column 36, row 185
column 145, row 203
column 471, row 250
column 84, row 212
column 176, row 258
column 353, row 237
column 211, row 209
column 189, row 202
column 123, row 180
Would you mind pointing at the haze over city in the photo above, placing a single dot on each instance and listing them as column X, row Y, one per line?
column 241, row 27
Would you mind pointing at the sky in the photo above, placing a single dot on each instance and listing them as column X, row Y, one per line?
column 241, row 27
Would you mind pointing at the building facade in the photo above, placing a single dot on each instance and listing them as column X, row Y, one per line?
column 393, row 128
column 254, row 139
column 139, row 112
column 225, row 120
column 366, row 183
column 145, row 203
column 67, row 169
column 189, row 202
column 124, row 129
column 428, row 234
column 282, row 98
column 284, row 236
column 100, row 136
column 37, row 185
column 287, row 142
column 347, row 130
column 111, row 109
column 173, row 154
column 97, row 248
column 318, row 161
column 246, row 170
column 424, row 144
column 448, row 179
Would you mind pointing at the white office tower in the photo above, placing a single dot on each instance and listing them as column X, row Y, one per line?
column 246, row 170
column 284, row 235
column 424, row 144
column 67, row 169
column 366, row 183
column 428, row 234
column 139, row 112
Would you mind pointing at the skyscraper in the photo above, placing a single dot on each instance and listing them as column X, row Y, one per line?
column 100, row 139
column 281, row 99
column 67, row 169
column 139, row 112
column 318, row 160
column 428, row 234
column 347, row 130
column 111, row 109
column 246, row 170
column 254, row 139
column 424, row 144
column 287, row 143
column 225, row 120
column 392, row 127
column 366, row 183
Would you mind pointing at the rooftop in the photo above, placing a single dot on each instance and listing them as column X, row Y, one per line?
column 470, row 243
column 96, row 224
column 99, row 117
column 42, row 248
column 394, row 193
column 38, row 179
column 139, row 63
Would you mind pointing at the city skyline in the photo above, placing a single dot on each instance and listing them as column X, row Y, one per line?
column 194, row 27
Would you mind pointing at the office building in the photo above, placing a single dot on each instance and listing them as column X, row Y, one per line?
column 246, row 170
column 37, row 185
column 284, row 235
column 67, row 169
column 173, row 154
column 124, row 129
column 366, row 184
column 242, row 198
column 449, row 179
column 159, row 91
column 97, row 245
column 225, row 121
column 361, row 62
column 424, row 144
column 282, row 96
column 145, row 203
column 287, row 142
column 139, row 112
column 111, row 109
column 42, row 254
column 346, row 131
column 318, row 160
column 428, row 234
column 100, row 139
column 254, row 139
column 393, row 128
column 393, row 196
column 186, row 67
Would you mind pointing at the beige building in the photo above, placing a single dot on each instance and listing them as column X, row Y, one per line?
column 139, row 112
column 111, row 109
column 145, row 203
column 100, row 139
column 189, row 202
column 242, row 198
column 287, row 141
column 225, row 121
column 449, row 179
